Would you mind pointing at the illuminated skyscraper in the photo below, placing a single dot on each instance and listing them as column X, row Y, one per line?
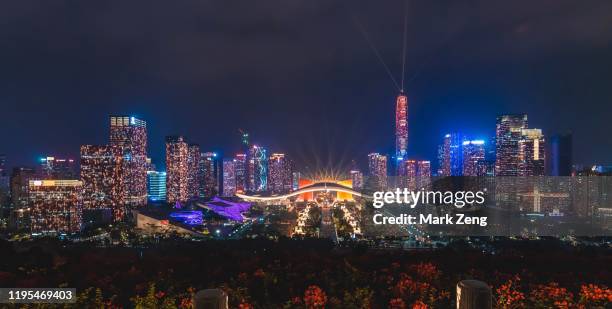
column 295, row 180
column 450, row 155
column 56, row 168
column 20, row 178
column 177, row 169
column 103, row 179
column 4, row 182
column 130, row 133
column 193, row 167
column 423, row 174
column 356, row 179
column 229, row 177
column 444, row 157
column 474, row 158
column 55, row 205
column 508, row 134
column 280, row 173
column 377, row 165
column 401, row 126
column 240, row 162
column 257, row 169
column 156, row 186
column 418, row 174
column 531, row 153
column 209, row 174
column 411, row 174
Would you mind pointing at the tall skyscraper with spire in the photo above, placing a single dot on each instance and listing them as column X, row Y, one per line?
column 401, row 134
column 401, row 126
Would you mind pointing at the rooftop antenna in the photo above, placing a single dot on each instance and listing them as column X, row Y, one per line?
column 404, row 44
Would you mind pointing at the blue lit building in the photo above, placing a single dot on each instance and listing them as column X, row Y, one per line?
column 456, row 154
column 156, row 186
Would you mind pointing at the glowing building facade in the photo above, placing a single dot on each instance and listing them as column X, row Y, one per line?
column 229, row 177
column 55, row 206
column 156, row 186
column 193, row 167
column 423, row 174
column 411, row 174
column 177, row 169
column 257, row 169
column 450, row 155
column 474, row 158
column 240, row 166
column 532, row 153
column 444, row 157
column 19, row 180
column 130, row 134
column 102, row 174
column 401, row 126
column 209, row 174
column 508, row 135
column 57, row 168
column 377, row 165
column 4, row 182
column 295, row 180
column 280, row 173
column 356, row 179
column 418, row 174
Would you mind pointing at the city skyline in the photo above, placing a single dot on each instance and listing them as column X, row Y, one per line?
column 460, row 75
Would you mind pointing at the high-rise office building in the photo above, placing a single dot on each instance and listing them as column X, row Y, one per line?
column 456, row 154
column 401, row 126
column 20, row 178
column 450, row 155
column 508, row 134
column 444, row 157
column 209, row 174
column 401, row 133
column 156, row 186
column 295, row 180
column 411, row 175
column 280, row 173
column 177, row 169
column 57, row 168
column 377, row 165
column 560, row 158
column 423, row 174
column 130, row 133
column 356, row 179
column 193, row 170
column 257, row 169
column 4, row 182
column 55, row 205
column 473, row 158
column 532, row 153
column 418, row 174
column 240, row 166
column 103, row 179
column 229, row 177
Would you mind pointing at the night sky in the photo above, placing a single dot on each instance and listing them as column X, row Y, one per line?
column 299, row 76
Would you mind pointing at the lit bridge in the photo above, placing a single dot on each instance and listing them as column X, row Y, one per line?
column 314, row 187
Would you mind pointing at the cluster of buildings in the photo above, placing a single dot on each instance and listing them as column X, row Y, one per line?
column 114, row 178
column 190, row 174
column 61, row 196
column 515, row 150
